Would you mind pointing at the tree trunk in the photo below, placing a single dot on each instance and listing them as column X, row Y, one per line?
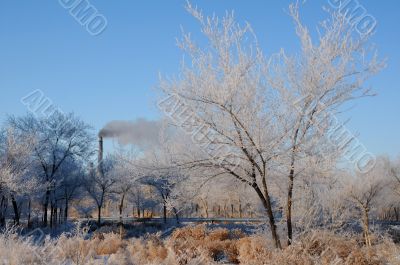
column 290, row 190
column 176, row 215
column 99, row 215
column 366, row 227
column 15, row 208
column 51, row 214
column 396, row 214
column 55, row 216
column 45, row 207
column 121, row 208
column 60, row 216
column 289, row 207
column 2, row 212
column 29, row 213
column 66, row 210
column 266, row 201
column 225, row 211
column 165, row 212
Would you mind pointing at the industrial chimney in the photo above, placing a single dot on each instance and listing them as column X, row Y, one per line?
column 100, row 156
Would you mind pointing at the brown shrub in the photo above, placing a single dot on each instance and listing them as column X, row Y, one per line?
column 194, row 242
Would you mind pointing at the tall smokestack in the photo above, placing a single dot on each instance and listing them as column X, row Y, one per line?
column 100, row 156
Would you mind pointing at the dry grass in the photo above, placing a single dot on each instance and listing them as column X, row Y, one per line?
column 14, row 251
column 253, row 249
column 198, row 245
column 109, row 245
column 319, row 247
column 150, row 250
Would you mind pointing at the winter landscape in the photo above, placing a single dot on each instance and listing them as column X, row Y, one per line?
column 199, row 132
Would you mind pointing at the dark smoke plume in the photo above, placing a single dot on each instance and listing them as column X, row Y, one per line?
column 140, row 132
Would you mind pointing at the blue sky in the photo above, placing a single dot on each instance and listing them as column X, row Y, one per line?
column 113, row 75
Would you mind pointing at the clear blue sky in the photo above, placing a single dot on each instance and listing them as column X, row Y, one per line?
column 111, row 76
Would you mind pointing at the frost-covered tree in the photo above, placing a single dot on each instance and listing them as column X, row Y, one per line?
column 224, row 97
column 315, row 181
column 368, row 192
column 392, row 209
column 160, row 173
column 70, row 179
column 126, row 176
column 137, row 197
column 99, row 184
column 164, row 183
column 330, row 70
column 57, row 138
column 251, row 117
column 395, row 173
column 17, row 176
column 225, row 197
